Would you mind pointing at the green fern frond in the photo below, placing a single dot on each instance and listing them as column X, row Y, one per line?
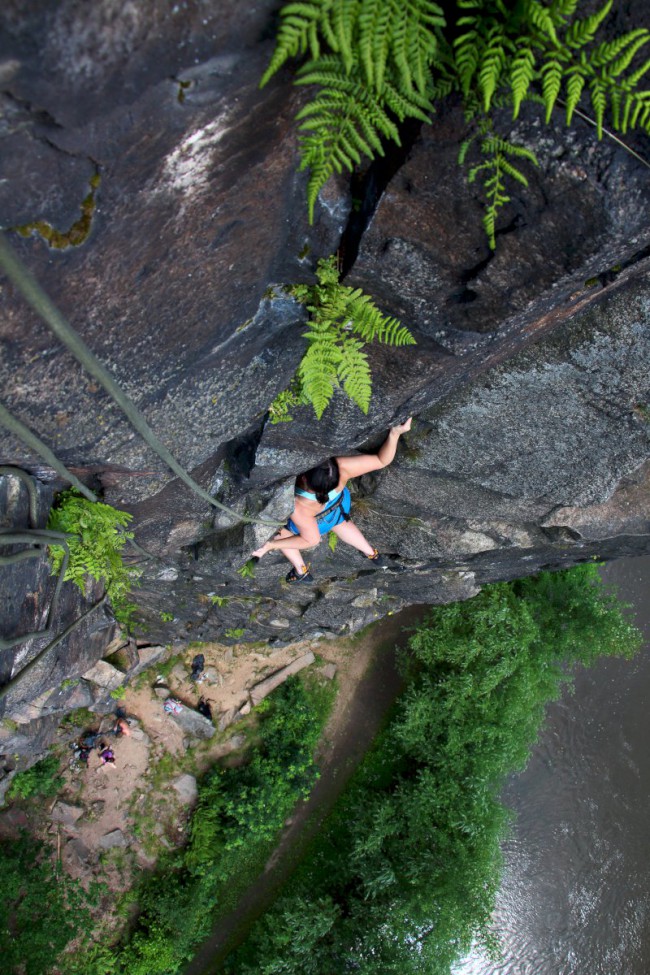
column 522, row 72
column 346, row 120
column 492, row 65
column 398, row 37
column 620, row 51
column 297, row 33
column 318, row 368
column 467, row 51
column 599, row 103
column 542, row 18
column 343, row 17
column 354, row 372
column 575, row 84
column 581, row 32
column 498, row 154
column 343, row 320
column 551, row 85
column 561, row 10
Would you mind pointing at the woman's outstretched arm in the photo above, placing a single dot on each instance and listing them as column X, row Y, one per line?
column 364, row 463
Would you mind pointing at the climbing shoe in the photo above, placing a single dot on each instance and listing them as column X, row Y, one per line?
column 294, row 576
column 377, row 560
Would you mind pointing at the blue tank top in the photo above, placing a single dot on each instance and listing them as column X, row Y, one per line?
column 312, row 497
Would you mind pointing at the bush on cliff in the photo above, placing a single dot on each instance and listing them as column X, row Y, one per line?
column 404, row 875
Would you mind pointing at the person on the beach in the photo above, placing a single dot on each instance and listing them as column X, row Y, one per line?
column 323, row 504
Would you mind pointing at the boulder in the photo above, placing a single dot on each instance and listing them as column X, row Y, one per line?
column 193, row 724
column 114, row 839
column 66, row 814
column 187, row 789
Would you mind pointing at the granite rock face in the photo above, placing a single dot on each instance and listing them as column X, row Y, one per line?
column 529, row 382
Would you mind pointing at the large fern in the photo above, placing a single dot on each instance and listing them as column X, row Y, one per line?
column 342, row 321
column 371, row 60
column 378, row 62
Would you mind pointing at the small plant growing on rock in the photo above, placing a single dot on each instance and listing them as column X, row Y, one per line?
column 97, row 538
column 342, row 322
column 247, row 570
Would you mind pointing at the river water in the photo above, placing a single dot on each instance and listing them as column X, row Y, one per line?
column 575, row 897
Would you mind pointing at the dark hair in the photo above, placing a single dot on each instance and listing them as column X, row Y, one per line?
column 323, row 479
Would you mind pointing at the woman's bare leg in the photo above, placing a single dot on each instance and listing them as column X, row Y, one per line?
column 348, row 532
column 294, row 555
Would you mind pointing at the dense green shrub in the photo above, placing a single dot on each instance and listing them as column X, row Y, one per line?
column 404, row 875
column 40, row 909
column 42, row 779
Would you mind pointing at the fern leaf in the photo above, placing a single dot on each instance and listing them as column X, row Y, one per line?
column 467, row 56
column 551, row 84
column 636, row 76
column 521, row 74
column 354, row 373
column 542, row 18
column 492, row 65
column 581, row 32
column 563, row 9
column 317, row 370
column 511, row 170
column 599, row 103
column 297, row 33
column 575, row 84
column 346, row 120
column 343, row 18
column 619, row 53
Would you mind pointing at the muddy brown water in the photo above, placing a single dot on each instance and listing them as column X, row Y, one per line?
column 371, row 702
column 575, row 898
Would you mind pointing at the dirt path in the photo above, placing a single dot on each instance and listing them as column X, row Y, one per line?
column 368, row 687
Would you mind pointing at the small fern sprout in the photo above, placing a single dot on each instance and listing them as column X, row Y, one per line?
column 498, row 154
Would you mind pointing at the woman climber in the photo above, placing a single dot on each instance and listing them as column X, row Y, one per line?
column 323, row 505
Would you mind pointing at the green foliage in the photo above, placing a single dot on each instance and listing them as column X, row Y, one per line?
column 41, row 909
column 166, row 617
column 247, row 570
column 118, row 693
column 235, row 634
column 42, row 779
column 332, row 541
column 97, row 538
column 217, row 600
column 378, row 62
column 404, row 875
column 498, row 154
column 342, row 321
column 286, row 401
